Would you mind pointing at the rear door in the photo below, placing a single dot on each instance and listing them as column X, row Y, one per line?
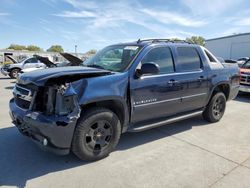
column 156, row 96
column 194, row 78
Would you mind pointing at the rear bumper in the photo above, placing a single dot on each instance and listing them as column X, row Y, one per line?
column 245, row 88
column 51, row 133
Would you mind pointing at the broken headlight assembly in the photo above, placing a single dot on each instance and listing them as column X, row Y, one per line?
column 66, row 100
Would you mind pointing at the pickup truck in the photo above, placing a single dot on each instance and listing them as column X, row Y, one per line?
column 124, row 87
column 245, row 77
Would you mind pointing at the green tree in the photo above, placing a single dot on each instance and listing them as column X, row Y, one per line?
column 91, row 52
column 33, row 48
column 175, row 39
column 55, row 48
column 196, row 40
column 17, row 47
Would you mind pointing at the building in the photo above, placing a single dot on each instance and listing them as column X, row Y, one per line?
column 53, row 56
column 230, row 47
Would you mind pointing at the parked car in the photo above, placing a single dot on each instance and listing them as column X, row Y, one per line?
column 13, row 69
column 242, row 60
column 245, row 77
column 37, row 63
column 239, row 61
column 124, row 87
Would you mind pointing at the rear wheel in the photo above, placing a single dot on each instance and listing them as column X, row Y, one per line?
column 96, row 135
column 14, row 73
column 215, row 108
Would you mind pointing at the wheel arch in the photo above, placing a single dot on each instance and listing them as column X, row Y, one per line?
column 15, row 68
column 115, row 105
column 11, row 69
column 223, row 87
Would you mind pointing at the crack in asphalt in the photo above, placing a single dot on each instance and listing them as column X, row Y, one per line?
column 229, row 172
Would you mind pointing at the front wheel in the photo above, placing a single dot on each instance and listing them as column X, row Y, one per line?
column 96, row 135
column 14, row 73
column 215, row 108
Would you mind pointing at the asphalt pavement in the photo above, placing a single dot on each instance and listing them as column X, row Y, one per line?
column 191, row 153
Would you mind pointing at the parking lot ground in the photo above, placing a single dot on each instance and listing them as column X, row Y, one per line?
column 191, row 153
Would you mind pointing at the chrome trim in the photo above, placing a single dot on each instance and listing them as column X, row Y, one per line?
column 22, row 96
column 196, row 95
column 169, row 100
column 172, row 74
column 244, row 88
column 244, row 79
column 164, row 122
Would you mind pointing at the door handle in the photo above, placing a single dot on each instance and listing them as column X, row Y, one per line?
column 201, row 78
column 172, row 82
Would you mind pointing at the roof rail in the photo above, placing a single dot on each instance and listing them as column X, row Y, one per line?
column 163, row 40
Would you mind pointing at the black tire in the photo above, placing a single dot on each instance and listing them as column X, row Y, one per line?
column 97, row 133
column 215, row 108
column 14, row 72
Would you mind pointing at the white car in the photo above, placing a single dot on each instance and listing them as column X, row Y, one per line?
column 36, row 63
column 13, row 69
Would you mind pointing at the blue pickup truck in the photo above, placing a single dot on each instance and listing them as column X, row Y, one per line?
column 124, row 87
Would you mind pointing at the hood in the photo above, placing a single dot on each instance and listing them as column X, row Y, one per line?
column 45, row 61
column 59, row 75
column 74, row 61
column 12, row 59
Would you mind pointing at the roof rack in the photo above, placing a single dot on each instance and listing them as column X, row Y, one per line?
column 163, row 40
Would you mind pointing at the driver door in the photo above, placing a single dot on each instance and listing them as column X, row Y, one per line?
column 156, row 96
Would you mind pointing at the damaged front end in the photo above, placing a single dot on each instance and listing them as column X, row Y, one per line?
column 48, row 114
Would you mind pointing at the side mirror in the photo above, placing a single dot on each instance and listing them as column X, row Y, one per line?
column 148, row 68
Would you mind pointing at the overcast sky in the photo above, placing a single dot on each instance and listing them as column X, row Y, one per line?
column 95, row 24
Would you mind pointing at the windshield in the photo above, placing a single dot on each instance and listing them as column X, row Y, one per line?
column 246, row 65
column 115, row 58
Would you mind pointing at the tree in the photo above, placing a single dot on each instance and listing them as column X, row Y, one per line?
column 33, row 48
column 55, row 48
column 17, row 47
column 175, row 39
column 196, row 40
column 91, row 52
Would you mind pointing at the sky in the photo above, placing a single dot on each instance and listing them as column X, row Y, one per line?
column 94, row 24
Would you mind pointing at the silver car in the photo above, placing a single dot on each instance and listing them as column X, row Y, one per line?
column 13, row 69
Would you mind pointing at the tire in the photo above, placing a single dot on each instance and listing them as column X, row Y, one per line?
column 14, row 72
column 215, row 108
column 97, row 133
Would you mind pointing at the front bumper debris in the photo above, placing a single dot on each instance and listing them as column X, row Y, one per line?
column 51, row 132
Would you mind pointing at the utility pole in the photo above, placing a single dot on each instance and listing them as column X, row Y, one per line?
column 75, row 49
